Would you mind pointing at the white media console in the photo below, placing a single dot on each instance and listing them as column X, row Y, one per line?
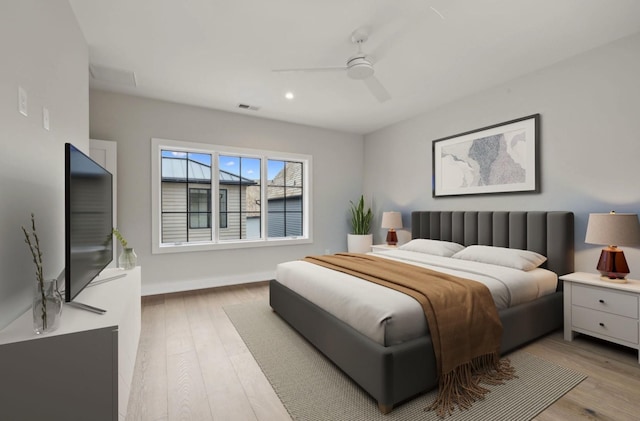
column 83, row 369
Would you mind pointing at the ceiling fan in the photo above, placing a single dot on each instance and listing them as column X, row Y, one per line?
column 359, row 66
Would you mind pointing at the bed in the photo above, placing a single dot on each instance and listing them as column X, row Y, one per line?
column 394, row 373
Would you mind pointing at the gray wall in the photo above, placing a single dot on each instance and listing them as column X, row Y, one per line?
column 44, row 51
column 590, row 144
column 132, row 122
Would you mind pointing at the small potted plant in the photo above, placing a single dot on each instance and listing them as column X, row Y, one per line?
column 360, row 239
column 128, row 258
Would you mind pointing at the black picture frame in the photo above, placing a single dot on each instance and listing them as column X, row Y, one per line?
column 502, row 158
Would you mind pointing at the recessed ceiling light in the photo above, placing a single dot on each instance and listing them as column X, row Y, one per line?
column 289, row 95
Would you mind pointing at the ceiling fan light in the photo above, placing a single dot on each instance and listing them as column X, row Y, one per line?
column 359, row 68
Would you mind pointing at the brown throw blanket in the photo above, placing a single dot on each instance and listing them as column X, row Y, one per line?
column 464, row 324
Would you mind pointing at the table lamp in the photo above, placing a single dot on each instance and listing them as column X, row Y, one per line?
column 391, row 221
column 613, row 229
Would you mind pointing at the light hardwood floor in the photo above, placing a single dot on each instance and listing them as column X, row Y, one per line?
column 193, row 365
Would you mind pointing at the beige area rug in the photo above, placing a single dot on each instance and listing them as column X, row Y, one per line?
column 312, row 388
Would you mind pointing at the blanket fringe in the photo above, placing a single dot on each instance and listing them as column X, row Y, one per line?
column 461, row 386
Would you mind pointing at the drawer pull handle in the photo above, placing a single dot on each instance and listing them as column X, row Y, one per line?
column 601, row 324
column 601, row 301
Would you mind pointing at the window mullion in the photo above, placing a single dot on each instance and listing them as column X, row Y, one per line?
column 285, row 201
column 186, row 162
column 264, row 188
column 215, row 195
column 240, row 224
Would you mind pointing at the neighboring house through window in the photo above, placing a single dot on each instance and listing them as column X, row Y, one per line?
column 223, row 208
column 199, row 208
column 248, row 212
column 284, row 198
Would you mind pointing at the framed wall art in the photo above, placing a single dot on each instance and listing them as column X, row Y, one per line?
column 502, row 158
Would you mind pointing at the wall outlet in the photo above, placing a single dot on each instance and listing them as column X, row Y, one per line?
column 45, row 118
column 22, row 101
column 327, row 251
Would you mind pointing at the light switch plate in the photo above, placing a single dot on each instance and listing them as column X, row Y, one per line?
column 45, row 118
column 22, row 101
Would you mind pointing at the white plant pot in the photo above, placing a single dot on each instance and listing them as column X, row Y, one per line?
column 359, row 243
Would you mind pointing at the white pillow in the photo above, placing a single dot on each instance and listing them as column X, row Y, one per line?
column 434, row 247
column 513, row 258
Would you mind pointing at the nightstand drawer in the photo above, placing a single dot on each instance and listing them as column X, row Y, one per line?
column 377, row 248
column 607, row 324
column 606, row 300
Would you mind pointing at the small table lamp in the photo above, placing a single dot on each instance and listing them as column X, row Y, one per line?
column 392, row 220
column 613, row 229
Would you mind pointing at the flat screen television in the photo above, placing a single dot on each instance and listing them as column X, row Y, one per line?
column 88, row 220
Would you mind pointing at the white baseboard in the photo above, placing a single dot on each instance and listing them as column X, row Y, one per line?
column 190, row 285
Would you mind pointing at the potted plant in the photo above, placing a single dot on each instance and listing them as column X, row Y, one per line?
column 360, row 239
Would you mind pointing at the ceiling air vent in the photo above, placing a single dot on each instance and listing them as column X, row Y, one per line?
column 248, row 107
column 113, row 76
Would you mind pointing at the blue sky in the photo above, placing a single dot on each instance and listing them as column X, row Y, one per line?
column 250, row 167
column 203, row 158
column 244, row 167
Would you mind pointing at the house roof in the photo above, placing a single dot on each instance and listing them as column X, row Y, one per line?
column 176, row 169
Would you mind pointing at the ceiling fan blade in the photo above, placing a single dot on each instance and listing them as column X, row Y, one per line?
column 380, row 52
column 376, row 88
column 313, row 69
column 398, row 32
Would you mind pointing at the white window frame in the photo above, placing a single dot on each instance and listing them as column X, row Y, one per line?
column 158, row 144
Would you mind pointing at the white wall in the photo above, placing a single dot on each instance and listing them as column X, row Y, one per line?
column 132, row 122
column 44, row 51
column 590, row 144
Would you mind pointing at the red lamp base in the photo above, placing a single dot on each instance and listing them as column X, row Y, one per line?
column 392, row 237
column 612, row 265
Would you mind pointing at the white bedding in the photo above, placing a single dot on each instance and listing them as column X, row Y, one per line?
column 390, row 317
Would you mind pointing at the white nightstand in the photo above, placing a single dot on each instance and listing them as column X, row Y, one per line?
column 377, row 248
column 602, row 309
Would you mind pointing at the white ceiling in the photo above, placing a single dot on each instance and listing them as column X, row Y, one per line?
column 217, row 54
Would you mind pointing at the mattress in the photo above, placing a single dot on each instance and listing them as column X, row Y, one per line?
column 390, row 317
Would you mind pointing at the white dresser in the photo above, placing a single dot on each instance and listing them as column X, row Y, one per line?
column 82, row 370
column 605, row 310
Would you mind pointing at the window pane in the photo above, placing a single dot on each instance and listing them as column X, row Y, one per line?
column 284, row 196
column 186, row 197
column 231, row 231
column 292, row 198
column 276, row 224
column 229, row 166
column 174, row 227
column 240, row 178
column 199, row 208
column 273, row 169
column 223, row 208
column 253, row 225
column 293, row 174
column 294, row 224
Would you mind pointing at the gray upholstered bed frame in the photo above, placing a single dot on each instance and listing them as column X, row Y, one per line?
column 396, row 373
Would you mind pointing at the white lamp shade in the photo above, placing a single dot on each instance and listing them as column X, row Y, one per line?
column 391, row 220
column 613, row 229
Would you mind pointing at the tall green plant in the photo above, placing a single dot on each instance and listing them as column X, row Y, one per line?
column 360, row 220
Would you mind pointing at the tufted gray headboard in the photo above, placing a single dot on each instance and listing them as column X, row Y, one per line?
column 547, row 233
